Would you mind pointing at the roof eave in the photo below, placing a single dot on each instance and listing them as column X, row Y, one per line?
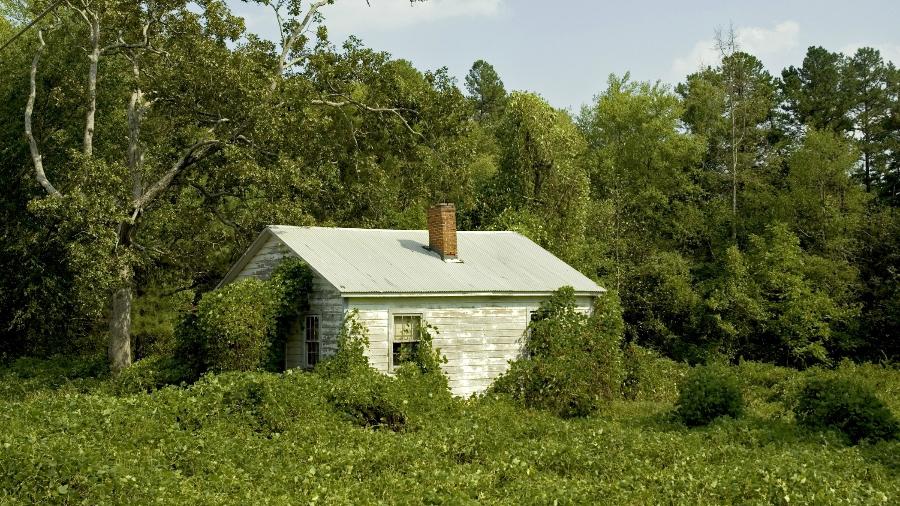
column 542, row 293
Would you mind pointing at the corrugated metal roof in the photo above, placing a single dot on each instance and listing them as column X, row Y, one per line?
column 369, row 261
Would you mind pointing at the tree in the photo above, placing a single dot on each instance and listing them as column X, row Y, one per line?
column 820, row 202
column 891, row 127
column 541, row 187
column 199, row 117
column 643, row 168
column 646, row 212
column 817, row 94
column 485, row 89
column 868, row 77
column 732, row 107
column 775, row 302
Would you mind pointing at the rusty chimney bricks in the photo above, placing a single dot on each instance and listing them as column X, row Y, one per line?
column 442, row 230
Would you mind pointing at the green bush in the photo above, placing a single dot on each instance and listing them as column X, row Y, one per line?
column 235, row 323
column 846, row 406
column 707, row 393
column 649, row 376
column 149, row 374
column 419, row 390
column 573, row 362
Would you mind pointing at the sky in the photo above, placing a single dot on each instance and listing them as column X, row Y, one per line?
column 565, row 49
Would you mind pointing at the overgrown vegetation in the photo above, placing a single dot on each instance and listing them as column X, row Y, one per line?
column 707, row 393
column 846, row 406
column 264, row 437
column 572, row 362
column 740, row 216
column 242, row 326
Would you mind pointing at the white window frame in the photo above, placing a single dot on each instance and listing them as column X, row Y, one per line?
column 307, row 341
column 393, row 333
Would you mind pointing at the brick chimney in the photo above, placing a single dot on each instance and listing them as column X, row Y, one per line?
column 442, row 230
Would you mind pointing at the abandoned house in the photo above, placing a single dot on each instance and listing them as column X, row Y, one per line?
column 478, row 289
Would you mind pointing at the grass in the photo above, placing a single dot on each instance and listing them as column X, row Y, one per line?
column 259, row 438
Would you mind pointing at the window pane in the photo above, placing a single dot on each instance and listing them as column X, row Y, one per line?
column 404, row 352
column 407, row 328
column 312, row 354
column 312, row 340
column 407, row 331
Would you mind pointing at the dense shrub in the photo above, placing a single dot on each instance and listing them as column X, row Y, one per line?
column 244, row 325
column 707, row 393
column 649, row 376
column 372, row 399
column 235, row 323
column 151, row 373
column 846, row 406
column 572, row 362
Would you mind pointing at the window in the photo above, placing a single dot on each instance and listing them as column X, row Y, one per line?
column 533, row 316
column 407, row 329
column 311, row 340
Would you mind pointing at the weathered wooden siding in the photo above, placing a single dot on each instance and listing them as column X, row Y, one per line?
column 324, row 301
column 478, row 335
column 265, row 260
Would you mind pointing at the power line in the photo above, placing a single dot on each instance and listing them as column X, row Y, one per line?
column 33, row 22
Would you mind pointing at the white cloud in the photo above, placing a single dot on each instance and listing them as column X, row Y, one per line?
column 765, row 43
column 890, row 52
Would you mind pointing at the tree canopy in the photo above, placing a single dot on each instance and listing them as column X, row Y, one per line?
column 738, row 213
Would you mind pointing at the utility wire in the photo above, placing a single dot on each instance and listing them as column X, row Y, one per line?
column 33, row 22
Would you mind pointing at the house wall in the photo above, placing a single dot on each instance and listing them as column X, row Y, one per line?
column 477, row 335
column 324, row 301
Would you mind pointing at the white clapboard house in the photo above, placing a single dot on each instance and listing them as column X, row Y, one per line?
column 479, row 289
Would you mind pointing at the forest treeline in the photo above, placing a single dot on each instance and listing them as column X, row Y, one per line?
column 145, row 144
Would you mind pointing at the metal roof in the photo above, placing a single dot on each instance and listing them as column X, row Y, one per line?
column 372, row 261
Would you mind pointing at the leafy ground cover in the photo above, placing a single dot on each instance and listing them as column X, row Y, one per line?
column 68, row 437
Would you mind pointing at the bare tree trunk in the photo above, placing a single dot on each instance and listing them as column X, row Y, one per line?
column 36, row 159
column 120, row 327
column 135, row 153
column 868, row 174
column 120, row 313
column 94, row 57
column 734, row 180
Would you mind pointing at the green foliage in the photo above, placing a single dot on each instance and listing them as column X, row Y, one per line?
column 485, row 89
column 649, row 376
column 150, row 374
column 779, row 303
column 262, row 437
column 541, row 188
column 235, row 323
column 709, row 392
column 372, row 399
column 291, row 284
column 846, row 406
column 572, row 362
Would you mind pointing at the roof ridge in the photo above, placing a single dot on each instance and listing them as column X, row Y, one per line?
column 390, row 229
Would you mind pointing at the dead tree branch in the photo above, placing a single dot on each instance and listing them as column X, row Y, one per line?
column 36, row 158
column 350, row 102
